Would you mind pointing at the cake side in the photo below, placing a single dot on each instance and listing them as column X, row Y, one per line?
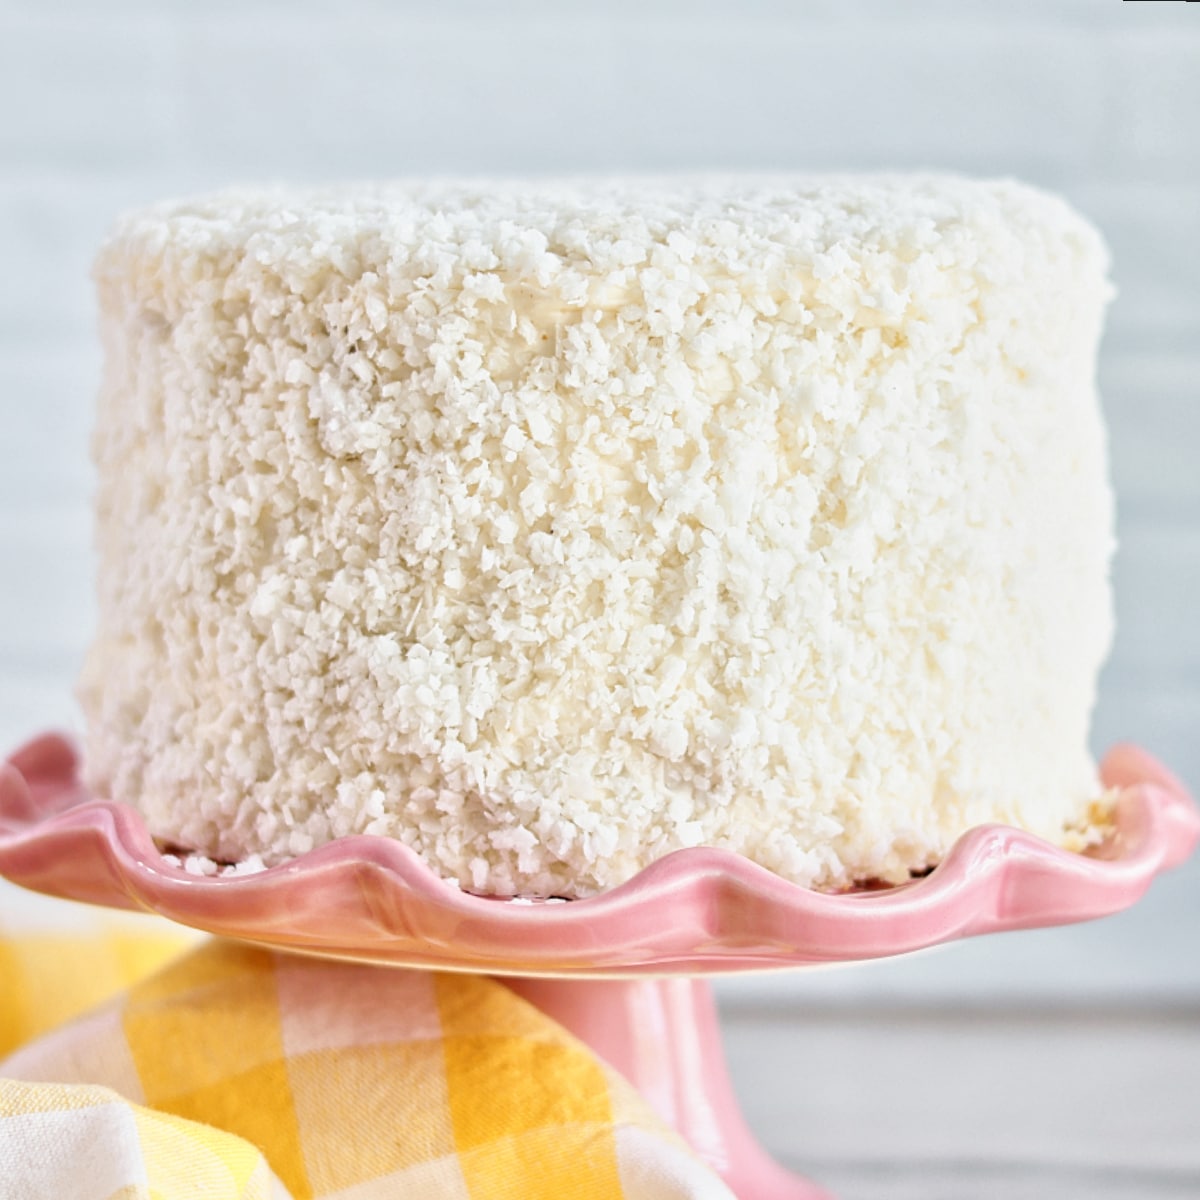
column 550, row 528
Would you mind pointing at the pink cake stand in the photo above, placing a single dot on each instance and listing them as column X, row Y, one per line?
column 625, row 971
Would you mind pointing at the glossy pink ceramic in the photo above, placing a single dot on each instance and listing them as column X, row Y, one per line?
column 695, row 912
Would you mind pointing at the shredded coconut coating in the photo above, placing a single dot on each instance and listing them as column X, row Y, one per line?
column 553, row 527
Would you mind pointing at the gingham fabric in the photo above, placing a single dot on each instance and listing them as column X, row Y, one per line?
column 49, row 977
column 88, row 1143
column 236, row 1072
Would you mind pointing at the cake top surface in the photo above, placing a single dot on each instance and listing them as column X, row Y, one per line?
column 607, row 222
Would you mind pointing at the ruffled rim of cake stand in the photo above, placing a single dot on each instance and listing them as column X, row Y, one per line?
column 371, row 899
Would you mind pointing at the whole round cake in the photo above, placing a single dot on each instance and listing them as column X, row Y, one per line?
column 552, row 527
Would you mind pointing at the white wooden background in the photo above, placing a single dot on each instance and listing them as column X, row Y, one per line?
column 1056, row 1064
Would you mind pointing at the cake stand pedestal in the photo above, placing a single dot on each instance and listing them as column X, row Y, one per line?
column 625, row 970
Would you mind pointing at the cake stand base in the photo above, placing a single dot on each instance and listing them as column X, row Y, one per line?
column 662, row 1035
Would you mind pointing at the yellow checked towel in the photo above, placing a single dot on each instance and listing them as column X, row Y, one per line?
column 235, row 1072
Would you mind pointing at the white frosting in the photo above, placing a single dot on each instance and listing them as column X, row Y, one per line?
column 553, row 527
